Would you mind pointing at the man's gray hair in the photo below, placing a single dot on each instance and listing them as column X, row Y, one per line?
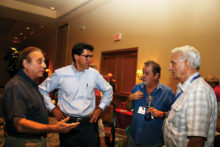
column 189, row 53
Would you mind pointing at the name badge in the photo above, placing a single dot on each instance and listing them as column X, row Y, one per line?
column 141, row 110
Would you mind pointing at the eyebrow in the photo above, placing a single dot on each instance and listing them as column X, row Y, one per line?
column 173, row 62
column 86, row 56
column 40, row 59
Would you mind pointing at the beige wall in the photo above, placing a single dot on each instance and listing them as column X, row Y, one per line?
column 48, row 43
column 155, row 27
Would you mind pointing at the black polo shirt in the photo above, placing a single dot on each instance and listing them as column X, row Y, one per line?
column 22, row 99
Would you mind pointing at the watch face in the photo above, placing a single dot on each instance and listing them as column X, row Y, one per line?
column 164, row 115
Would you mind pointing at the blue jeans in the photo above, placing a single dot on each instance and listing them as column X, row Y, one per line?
column 131, row 143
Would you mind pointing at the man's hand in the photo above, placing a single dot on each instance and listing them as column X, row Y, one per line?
column 156, row 113
column 28, row 126
column 63, row 127
column 95, row 115
column 136, row 96
column 58, row 114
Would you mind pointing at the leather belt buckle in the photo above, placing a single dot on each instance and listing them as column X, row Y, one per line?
column 78, row 119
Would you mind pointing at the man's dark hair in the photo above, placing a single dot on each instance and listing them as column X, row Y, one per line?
column 155, row 67
column 24, row 55
column 79, row 47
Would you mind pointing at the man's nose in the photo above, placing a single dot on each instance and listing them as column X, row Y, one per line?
column 44, row 65
column 170, row 67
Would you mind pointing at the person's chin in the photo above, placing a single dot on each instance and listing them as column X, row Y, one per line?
column 145, row 83
column 40, row 75
column 86, row 67
column 173, row 75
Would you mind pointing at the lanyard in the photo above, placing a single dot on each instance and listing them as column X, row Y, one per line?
column 148, row 100
column 196, row 77
column 145, row 98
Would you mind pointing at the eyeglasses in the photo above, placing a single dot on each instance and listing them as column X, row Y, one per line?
column 87, row 56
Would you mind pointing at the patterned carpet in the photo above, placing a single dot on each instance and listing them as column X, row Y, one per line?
column 52, row 138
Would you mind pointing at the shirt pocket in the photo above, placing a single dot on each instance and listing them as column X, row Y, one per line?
column 90, row 91
column 177, row 117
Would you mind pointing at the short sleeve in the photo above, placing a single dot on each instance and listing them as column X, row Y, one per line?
column 14, row 103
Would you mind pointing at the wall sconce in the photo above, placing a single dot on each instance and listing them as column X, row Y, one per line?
column 139, row 74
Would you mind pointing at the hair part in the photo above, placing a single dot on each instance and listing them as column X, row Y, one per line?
column 189, row 53
column 25, row 55
column 79, row 47
column 155, row 67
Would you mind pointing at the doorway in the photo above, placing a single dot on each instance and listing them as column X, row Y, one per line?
column 123, row 65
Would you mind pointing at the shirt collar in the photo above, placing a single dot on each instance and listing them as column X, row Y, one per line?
column 76, row 71
column 183, row 86
column 142, row 86
column 21, row 73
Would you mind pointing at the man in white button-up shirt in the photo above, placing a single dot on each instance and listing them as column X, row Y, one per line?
column 76, row 85
column 192, row 119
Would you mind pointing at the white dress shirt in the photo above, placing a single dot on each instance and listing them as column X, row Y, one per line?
column 76, row 90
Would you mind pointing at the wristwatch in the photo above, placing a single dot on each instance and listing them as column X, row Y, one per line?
column 164, row 115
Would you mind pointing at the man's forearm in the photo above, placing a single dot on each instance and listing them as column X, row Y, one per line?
column 27, row 126
column 106, row 98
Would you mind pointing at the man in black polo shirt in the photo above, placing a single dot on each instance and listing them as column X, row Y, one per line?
column 24, row 109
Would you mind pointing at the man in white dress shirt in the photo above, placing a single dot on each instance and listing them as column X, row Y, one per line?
column 76, row 85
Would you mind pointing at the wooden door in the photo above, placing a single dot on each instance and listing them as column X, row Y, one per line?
column 123, row 65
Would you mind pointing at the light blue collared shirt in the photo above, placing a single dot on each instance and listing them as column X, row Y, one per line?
column 76, row 90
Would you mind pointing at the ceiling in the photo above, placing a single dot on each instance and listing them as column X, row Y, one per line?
column 37, row 15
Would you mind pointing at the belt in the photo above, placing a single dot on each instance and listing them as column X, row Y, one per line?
column 37, row 137
column 43, row 136
column 79, row 119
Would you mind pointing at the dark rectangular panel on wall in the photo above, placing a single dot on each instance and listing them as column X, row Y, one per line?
column 110, row 64
column 123, row 65
column 128, row 73
column 61, row 46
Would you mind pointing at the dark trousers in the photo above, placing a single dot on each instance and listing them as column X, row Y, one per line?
column 217, row 141
column 23, row 142
column 83, row 136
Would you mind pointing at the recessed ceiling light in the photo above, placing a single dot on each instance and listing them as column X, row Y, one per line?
column 52, row 8
column 28, row 28
column 21, row 33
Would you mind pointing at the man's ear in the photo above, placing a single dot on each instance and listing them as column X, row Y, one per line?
column 187, row 64
column 76, row 57
column 25, row 63
column 156, row 76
